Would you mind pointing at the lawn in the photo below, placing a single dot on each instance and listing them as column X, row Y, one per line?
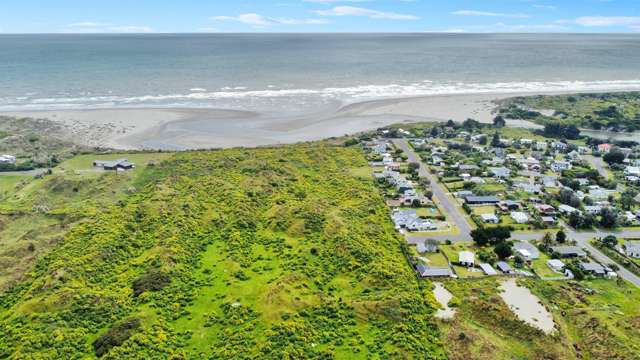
column 479, row 210
column 540, row 267
column 85, row 162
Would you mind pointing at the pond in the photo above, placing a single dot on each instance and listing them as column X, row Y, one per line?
column 526, row 306
column 443, row 296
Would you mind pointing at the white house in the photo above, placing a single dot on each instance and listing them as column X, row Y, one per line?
column 632, row 171
column 555, row 265
column 466, row 258
column 519, row 217
column 593, row 210
column 7, row 159
column 632, row 249
column 567, row 210
column 490, row 219
column 558, row 166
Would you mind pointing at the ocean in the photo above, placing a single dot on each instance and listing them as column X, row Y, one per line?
column 267, row 72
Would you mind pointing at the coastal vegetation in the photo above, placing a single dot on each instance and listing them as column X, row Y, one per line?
column 607, row 111
column 273, row 253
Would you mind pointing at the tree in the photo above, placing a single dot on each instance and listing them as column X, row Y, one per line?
column 561, row 237
column 610, row 241
column 499, row 121
column 495, row 141
column 413, row 167
column 608, row 218
column 484, row 236
column 547, row 240
column 614, row 156
column 480, row 236
column 627, row 199
column 503, row 249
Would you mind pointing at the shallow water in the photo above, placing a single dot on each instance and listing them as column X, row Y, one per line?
column 526, row 306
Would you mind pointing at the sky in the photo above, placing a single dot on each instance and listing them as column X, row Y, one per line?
column 190, row 16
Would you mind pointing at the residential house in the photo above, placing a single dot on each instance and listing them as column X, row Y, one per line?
column 501, row 172
column 533, row 251
column 632, row 171
column 509, row 205
column 567, row 210
column 427, row 271
column 504, row 267
column 490, row 218
column 120, row 164
column 466, row 258
column 593, row 209
column 548, row 220
column 545, row 209
column 519, row 217
column 604, row 148
column 556, row 265
column 7, row 159
column 481, row 200
column 568, row 251
column 593, row 268
column 632, row 249
column 409, row 219
column 541, row 145
column 559, row 166
column 488, row 270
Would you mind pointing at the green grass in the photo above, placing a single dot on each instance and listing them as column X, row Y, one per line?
column 270, row 253
column 541, row 268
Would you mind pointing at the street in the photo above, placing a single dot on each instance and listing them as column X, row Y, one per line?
column 454, row 215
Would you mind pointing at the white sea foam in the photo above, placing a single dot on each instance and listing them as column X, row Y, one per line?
column 199, row 97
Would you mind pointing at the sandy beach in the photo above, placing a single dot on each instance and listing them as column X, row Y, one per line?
column 171, row 128
column 195, row 128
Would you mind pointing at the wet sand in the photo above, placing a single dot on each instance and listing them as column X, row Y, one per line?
column 526, row 306
column 178, row 128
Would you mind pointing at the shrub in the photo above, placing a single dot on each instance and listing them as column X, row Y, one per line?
column 115, row 336
column 153, row 280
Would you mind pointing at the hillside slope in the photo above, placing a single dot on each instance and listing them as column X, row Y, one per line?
column 270, row 253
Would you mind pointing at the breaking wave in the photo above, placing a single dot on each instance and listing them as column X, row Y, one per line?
column 241, row 97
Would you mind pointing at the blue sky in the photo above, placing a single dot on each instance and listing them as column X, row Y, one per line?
column 141, row 16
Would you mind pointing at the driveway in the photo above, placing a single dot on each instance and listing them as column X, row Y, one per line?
column 599, row 164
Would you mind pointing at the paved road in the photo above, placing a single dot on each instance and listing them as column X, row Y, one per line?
column 452, row 211
column 597, row 163
column 455, row 215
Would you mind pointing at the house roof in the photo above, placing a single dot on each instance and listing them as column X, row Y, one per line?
column 426, row 271
column 568, row 250
column 524, row 245
column 466, row 257
column 488, row 269
column 593, row 267
column 503, row 266
column 482, row 199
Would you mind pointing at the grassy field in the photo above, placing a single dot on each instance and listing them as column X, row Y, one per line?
column 595, row 320
column 35, row 214
column 265, row 253
column 618, row 111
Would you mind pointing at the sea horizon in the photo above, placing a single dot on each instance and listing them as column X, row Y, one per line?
column 301, row 71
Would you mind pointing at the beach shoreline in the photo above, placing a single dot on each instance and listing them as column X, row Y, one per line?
column 198, row 128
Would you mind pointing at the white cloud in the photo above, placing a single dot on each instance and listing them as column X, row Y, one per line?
column 545, row 7
column 372, row 14
column 488, row 13
column 259, row 20
column 97, row 27
column 629, row 21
